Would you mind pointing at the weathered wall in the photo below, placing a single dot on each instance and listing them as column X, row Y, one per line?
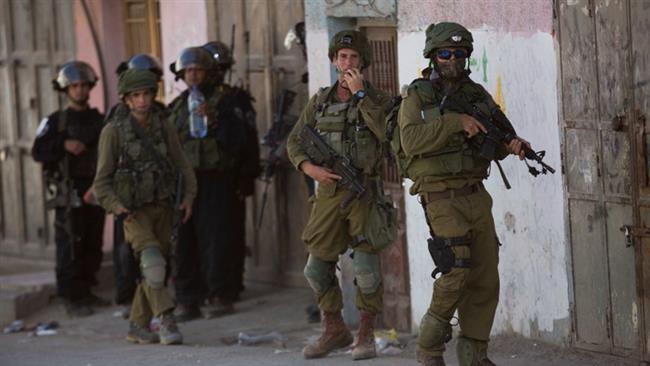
column 185, row 25
column 105, row 17
column 515, row 59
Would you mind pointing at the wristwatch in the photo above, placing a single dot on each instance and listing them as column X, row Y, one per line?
column 360, row 94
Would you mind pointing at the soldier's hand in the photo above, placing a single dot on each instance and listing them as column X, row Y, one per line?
column 74, row 147
column 187, row 211
column 354, row 79
column 318, row 173
column 471, row 126
column 124, row 211
column 515, row 147
column 90, row 197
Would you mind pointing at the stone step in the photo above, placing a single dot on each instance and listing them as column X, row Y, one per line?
column 25, row 293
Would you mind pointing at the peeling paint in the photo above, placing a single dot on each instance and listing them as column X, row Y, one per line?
column 635, row 316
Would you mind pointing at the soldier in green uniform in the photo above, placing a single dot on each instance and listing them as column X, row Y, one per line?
column 139, row 155
column 447, row 172
column 349, row 115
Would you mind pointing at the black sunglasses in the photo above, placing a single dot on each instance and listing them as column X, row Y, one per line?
column 445, row 54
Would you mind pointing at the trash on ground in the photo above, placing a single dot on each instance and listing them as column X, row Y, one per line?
column 45, row 332
column 391, row 351
column 255, row 339
column 15, row 327
column 386, row 338
column 280, row 351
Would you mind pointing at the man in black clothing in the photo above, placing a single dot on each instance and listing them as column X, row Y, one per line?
column 66, row 145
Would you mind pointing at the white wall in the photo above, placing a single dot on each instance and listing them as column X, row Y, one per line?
column 184, row 25
column 530, row 217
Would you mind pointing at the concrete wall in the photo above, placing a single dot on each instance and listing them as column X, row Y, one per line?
column 185, row 25
column 515, row 59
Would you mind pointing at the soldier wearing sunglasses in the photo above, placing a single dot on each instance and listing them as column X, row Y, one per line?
column 448, row 172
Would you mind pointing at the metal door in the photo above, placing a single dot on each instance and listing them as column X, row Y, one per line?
column 604, row 69
column 35, row 37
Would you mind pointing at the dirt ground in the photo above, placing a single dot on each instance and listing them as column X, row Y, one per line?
column 99, row 340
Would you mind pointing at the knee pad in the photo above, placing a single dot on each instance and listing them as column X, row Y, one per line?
column 434, row 332
column 366, row 271
column 470, row 351
column 153, row 265
column 319, row 274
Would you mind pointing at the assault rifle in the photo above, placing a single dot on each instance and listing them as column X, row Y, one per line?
column 59, row 184
column 322, row 154
column 276, row 141
column 500, row 131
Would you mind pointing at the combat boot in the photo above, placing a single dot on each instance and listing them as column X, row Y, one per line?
column 184, row 313
column 364, row 347
column 433, row 361
column 335, row 335
column 169, row 333
column 218, row 307
column 77, row 309
column 141, row 335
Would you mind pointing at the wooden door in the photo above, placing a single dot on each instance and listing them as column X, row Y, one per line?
column 265, row 67
column 35, row 37
column 604, row 63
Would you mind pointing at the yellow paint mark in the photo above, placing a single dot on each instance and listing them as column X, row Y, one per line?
column 498, row 96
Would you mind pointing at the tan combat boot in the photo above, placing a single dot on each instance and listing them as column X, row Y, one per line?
column 364, row 347
column 433, row 361
column 335, row 335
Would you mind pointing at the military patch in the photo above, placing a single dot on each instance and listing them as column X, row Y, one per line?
column 346, row 40
column 456, row 38
column 43, row 126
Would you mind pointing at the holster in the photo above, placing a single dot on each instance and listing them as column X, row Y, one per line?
column 444, row 257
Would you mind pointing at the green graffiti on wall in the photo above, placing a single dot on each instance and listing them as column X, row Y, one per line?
column 475, row 66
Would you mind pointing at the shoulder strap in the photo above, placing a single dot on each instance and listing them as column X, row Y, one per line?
column 63, row 121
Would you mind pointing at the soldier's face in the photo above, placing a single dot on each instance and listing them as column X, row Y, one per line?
column 346, row 59
column 79, row 92
column 451, row 61
column 139, row 101
column 194, row 76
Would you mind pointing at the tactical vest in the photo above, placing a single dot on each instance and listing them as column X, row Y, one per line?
column 84, row 165
column 202, row 153
column 460, row 157
column 142, row 177
column 342, row 126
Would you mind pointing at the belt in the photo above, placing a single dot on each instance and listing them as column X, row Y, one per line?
column 452, row 193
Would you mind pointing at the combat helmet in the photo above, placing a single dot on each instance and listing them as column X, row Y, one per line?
column 447, row 34
column 354, row 40
column 141, row 61
column 74, row 71
column 191, row 56
column 220, row 53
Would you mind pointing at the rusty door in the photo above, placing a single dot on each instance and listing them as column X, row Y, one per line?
column 382, row 73
column 35, row 37
column 266, row 67
column 604, row 77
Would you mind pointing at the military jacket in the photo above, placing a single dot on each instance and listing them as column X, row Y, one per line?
column 52, row 132
column 131, row 175
column 222, row 147
column 356, row 130
column 431, row 135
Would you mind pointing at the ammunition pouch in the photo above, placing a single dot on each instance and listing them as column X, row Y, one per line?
column 444, row 257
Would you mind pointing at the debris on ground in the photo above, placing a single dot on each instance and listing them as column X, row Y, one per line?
column 15, row 327
column 387, row 342
column 255, row 339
